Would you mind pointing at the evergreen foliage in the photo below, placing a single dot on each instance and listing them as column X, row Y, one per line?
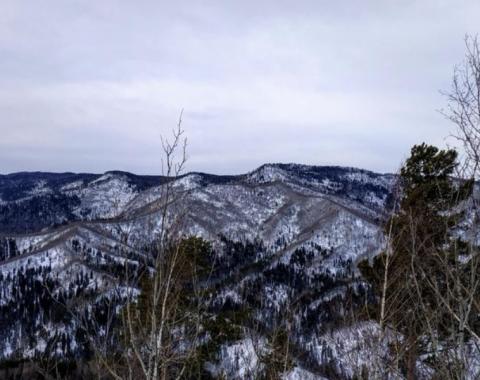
column 421, row 242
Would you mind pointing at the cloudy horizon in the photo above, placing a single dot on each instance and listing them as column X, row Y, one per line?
column 91, row 86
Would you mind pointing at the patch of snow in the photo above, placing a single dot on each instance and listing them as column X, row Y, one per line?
column 298, row 373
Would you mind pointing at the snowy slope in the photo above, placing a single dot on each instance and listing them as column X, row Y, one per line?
column 304, row 227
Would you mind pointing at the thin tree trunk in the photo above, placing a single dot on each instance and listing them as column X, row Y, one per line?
column 412, row 358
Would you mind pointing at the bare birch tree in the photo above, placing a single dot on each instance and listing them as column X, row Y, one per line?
column 463, row 107
column 459, row 301
column 155, row 334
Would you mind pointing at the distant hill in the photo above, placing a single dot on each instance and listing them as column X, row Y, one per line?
column 282, row 230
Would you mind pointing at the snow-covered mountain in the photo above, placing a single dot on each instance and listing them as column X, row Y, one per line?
column 284, row 231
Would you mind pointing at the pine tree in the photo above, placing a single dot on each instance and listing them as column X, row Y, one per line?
column 420, row 235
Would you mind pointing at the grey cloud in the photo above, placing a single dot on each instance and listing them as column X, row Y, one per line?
column 91, row 86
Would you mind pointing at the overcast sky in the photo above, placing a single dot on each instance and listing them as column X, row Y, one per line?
column 91, row 85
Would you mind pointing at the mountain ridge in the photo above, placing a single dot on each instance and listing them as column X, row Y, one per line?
column 65, row 192
column 278, row 230
column 120, row 171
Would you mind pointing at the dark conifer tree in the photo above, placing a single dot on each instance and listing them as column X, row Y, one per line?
column 419, row 234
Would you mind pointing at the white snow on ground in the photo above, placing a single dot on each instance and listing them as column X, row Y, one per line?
column 54, row 258
column 188, row 182
column 106, row 196
column 239, row 361
column 40, row 189
column 72, row 186
column 298, row 373
column 275, row 297
column 353, row 348
column 267, row 173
